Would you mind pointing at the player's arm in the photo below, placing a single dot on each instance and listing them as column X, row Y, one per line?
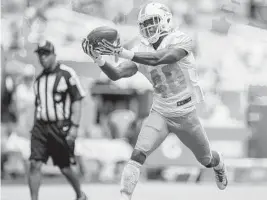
column 180, row 47
column 123, row 70
column 163, row 56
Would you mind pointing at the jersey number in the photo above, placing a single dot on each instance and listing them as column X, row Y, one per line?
column 173, row 76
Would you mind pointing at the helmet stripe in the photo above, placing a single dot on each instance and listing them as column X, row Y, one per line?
column 143, row 9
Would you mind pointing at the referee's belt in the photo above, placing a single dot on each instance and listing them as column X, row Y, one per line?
column 182, row 102
column 59, row 123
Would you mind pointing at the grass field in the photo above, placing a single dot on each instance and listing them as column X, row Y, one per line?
column 144, row 191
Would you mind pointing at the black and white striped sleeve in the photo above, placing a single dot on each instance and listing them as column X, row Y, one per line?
column 75, row 88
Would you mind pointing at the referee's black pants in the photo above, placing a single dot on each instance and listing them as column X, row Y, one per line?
column 48, row 139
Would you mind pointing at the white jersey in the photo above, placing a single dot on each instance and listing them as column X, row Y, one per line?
column 173, row 83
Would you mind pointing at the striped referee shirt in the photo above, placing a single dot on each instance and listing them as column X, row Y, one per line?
column 55, row 92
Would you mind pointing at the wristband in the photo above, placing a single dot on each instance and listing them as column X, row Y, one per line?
column 126, row 54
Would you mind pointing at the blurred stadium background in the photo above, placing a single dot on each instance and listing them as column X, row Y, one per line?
column 231, row 53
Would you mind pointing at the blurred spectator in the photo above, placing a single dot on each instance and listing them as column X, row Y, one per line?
column 16, row 37
column 8, row 112
column 35, row 17
column 106, row 108
column 258, row 11
column 17, row 144
column 24, row 99
column 121, row 119
column 91, row 7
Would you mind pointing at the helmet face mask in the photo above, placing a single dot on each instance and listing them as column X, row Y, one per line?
column 150, row 28
column 155, row 20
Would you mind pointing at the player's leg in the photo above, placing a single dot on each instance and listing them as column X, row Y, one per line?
column 193, row 135
column 152, row 134
column 39, row 155
column 63, row 156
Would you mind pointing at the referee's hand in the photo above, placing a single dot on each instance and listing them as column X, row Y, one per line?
column 72, row 135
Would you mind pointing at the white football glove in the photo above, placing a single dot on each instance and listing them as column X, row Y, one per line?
column 106, row 48
column 88, row 49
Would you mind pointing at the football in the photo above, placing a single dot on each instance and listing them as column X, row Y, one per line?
column 103, row 32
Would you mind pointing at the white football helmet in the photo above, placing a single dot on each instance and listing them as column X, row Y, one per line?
column 155, row 20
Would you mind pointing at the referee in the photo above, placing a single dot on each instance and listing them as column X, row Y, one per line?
column 57, row 114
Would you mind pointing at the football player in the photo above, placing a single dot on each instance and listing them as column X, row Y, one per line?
column 164, row 56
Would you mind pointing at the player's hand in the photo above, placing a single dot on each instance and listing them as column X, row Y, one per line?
column 106, row 48
column 88, row 49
